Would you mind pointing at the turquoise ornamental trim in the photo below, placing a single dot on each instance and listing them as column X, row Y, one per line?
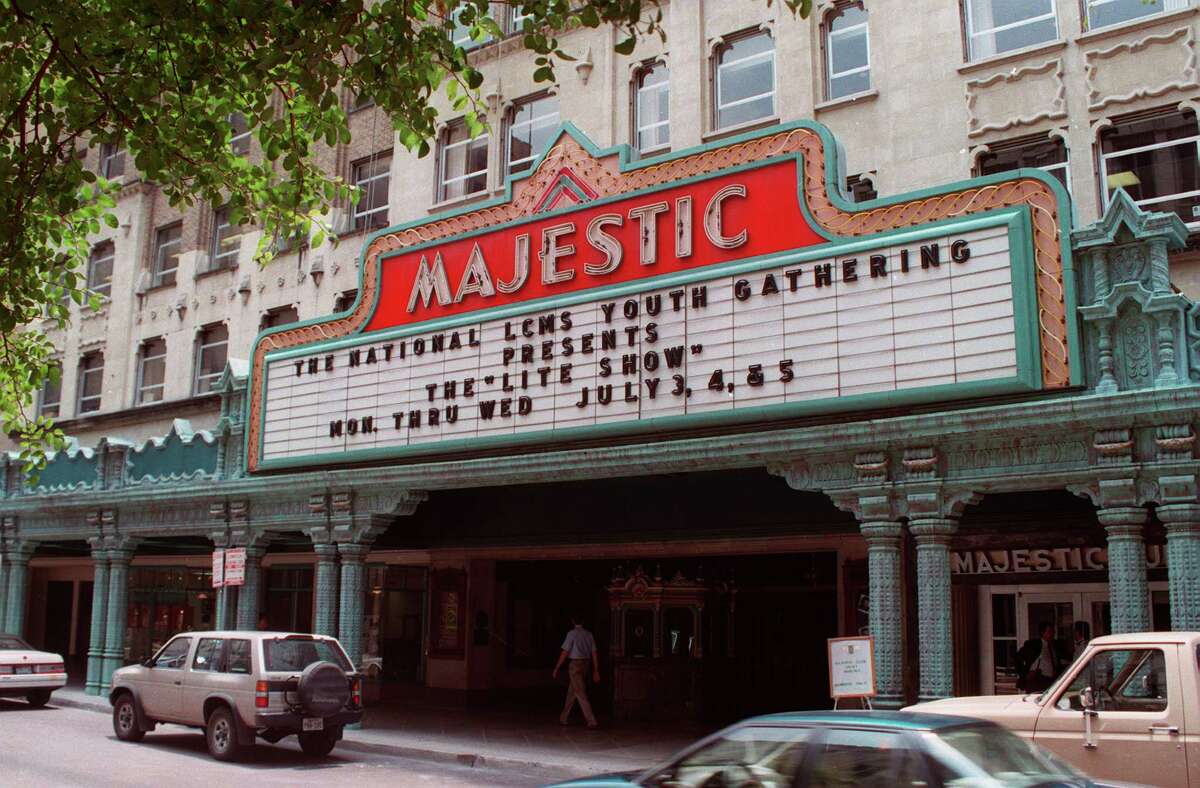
column 180, row 455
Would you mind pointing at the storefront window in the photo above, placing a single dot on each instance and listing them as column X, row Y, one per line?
column 1004, row 642
column 290, row 598
column 164, row 601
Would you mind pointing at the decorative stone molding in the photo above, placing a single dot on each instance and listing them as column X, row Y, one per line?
column 1117, row 75
column 920, row 463
column 1020, row 97
column 1113, row 447
column 871, row 467
column 1175, row 442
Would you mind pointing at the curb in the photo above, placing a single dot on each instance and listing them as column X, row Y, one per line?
column 552, row 771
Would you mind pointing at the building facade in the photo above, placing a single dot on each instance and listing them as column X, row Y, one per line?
column 941, row 465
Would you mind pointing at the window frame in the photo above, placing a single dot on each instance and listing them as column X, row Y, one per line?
column 268, row 317
column 110, row 152
column 367, row 222
column 158, row 655
column 1102, row 162
column 217, row 663
column 444, row 146
column 81, row 383
column 970, row 34
column 158, row 277
column 229, row 260
column 201, row 346
column 43, row 406
column 718, row 64
column 638, row 88
column 510, row 123
column 141, row 387
column 239, row 141
column 1168, row 6
column 827, row 41
column 1022, row 143
column 105, row 289
column 515, row 23
column 345, row 300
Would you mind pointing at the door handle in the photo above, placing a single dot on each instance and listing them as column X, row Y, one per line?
column 178, row 683
column 1173, row 730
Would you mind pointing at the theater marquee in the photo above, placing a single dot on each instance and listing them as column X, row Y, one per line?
column 725, row 286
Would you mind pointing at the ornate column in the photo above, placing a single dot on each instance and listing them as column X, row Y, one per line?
column 3, row 584
column 95, row 663
column 17, row 556
column 936, row 646
column 1128, row 592
column 350, row 609
column 327, row 589
column 1183, row 563
column 248, row 594
column 114, row 625
column 885, row 584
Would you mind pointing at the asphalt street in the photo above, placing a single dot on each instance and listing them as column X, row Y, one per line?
column 74, row 747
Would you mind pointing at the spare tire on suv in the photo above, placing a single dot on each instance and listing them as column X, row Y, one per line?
column 323, row 689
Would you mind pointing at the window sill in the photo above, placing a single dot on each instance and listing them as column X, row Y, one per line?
column 845, row 101
column 1099, row 34
column 159, row 288
column 95, row 418
column 206, row 274
column 458, row 202
column 1009, row 57
column 741, row 128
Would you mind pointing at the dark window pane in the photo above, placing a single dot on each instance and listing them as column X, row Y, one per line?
column 168, row 243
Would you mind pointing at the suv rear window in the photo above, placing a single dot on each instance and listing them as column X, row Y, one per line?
column 296, row 654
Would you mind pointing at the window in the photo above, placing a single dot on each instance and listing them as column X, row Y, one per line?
column 1041, row 154
column 345, row 301
column 208, row 655
column 239, row 134
column 373, row 178
column 294, row 653
column 996, row 26
column 530, row 126
column 211, row 352
column 1102, row 13
column 463, row 162
column 173, row 656
column 91, row 382
column 868, row 759
column 100, row 269
column 847, row 53
column 167, row 244
column 1156, row 160
column 461, row 35
column 226, row 242
column 279, row 316
column 516, row 20
column 237, row 657
column 752, row 754
column 651, row 108
column 112, row 160
column 745, row 80
column 152, row 371
column 861, row 188
column 1121, row 680
column 50, row 397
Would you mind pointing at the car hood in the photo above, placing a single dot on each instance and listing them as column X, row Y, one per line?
column 1017, row 712
column 22, row 657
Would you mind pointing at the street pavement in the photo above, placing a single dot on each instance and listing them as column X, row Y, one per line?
column 57, row 746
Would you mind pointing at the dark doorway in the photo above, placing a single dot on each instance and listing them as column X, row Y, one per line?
column 77, row 661
column 59, row 597
column 402, row 628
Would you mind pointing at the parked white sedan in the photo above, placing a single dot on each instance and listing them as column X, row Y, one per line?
column 28, row 673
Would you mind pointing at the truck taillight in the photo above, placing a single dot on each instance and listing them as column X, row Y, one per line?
column 356, row 692
column 261, row 696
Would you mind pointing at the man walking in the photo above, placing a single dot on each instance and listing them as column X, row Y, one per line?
column 580, row 648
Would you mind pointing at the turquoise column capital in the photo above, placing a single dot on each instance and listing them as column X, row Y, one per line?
column 1128, row 592
column 934, row 619
column 1182, row 521
column 884, row 609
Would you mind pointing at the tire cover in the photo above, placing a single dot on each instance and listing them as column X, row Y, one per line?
column 323, row 689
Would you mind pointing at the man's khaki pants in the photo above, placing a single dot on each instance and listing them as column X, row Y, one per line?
column 577, row 691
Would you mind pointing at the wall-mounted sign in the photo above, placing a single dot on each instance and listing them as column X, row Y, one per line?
column 218, row 568
column 235, row 566
column 687, row 303
column 852, row 667
column 1042, row 559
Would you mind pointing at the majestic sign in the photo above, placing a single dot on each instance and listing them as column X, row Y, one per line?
column 585, row 305
column 1042, row 559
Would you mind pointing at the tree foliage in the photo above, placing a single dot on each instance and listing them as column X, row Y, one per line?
column 161, row 79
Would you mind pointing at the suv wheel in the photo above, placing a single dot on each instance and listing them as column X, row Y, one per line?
column 221, row 733
column 125, row 723
column 38, row 698
column 317, row 743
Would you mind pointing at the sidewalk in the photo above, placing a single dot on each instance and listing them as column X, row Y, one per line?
column 501, row 739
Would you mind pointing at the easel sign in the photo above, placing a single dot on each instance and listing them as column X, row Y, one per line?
column 852, row 669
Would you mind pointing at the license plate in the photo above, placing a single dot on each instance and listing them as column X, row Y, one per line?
column 24, row 670
column 314, row 724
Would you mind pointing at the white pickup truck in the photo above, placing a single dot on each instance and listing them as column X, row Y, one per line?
column 1128, row 709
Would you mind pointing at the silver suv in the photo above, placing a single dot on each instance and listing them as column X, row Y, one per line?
column 239, row 685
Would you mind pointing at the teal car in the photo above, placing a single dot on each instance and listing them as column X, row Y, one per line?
column 865, row 749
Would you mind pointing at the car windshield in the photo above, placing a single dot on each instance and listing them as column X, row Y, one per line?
column 1001, row 754
column 12, row 643
column 297, row 653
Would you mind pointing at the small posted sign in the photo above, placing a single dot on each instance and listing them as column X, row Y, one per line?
column 218, row 569
column 852, row 667
column 235, row 566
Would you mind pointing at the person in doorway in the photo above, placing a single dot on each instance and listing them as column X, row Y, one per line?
column 1083, row 635
column 1037, row 661
column 579, row 647
column 263, row 623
